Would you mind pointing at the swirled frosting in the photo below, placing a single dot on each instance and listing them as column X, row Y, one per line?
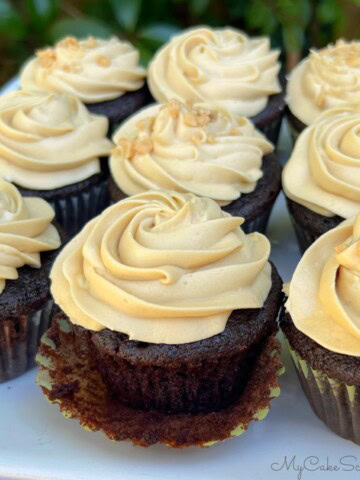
column 94, row 70
column 222, row 65
column 205, row 150
column 323, row 172
column 25, row 231
column 326, row 79
column 328, row 277
column 162, row 267
column 49, row 141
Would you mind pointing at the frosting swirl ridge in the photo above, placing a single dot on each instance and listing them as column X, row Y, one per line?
column 223, row 66
column 204, row 150
column 162, row 267
column 25, row 231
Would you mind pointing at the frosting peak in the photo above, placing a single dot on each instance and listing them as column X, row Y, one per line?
column 202, row 149
column 162, row 267
column 223, row 66
column 93, row 69
column 25, row 231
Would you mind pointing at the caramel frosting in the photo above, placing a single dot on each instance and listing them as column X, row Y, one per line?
column 323, row 172
column 205, row 150
column 328, row 277
column 222, row 65
column 25, row 231
column 94, row 70
column 326, row 79
column 161, row 267
column 49, row 141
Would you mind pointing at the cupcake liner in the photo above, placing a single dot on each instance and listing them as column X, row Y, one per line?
column 19, row 341
column 334, row 402
column 68, row 376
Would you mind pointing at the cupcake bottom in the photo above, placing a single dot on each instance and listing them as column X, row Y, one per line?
column 68, row 376
column 329, row 380
column 296, row 126
column 308, row 225
column 255, row 207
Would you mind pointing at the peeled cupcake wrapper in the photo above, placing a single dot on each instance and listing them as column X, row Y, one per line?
column 19, row 341
column 334, row 402
column 68, row 376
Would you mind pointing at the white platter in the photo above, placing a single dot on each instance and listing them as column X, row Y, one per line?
column 36, row 442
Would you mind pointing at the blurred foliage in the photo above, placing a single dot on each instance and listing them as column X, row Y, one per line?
column 293, row 25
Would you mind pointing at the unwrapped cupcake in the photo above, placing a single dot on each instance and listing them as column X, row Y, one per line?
column 168, row 323
column 203, row 149
column 222, row 66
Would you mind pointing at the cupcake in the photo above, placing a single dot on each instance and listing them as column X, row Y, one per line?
column 103, row 74
column 326, row 79
column 167, row 325
column 204, row 150
column 50, row 147
column 224, row 66
column 322, row 177
column 321, row 325
column 27, row 243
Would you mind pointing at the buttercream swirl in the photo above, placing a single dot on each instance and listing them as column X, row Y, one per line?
column 25, row 231
column 205, row 150
column 328, row 277
column 94, row 70
column 323, row 172
column 326, row 79
column 49, row 141
column 221, row 65
column 162, row 267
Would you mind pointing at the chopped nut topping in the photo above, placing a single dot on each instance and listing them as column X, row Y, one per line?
column 190, row 119
column 211, row 140
column 142, row 147
column 242, row 121
column 353, row 61
column 47, row 57
column 145, row 124
column 69, row 42
column 234, row 131
column 91, row 42
column 196, row 139
column 203, row 119
column 340, row 248
column 127, row 147
column 320, row 100
column 174, row 108
column 103, row 61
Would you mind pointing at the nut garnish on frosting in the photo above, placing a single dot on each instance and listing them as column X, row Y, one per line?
column 328, row 277
column 223, row 66
column 93, row 69
column 327, row 78
column 202, row 149
column 323, row 172
column 49, row 141
column 161, row 267
column 25, row 231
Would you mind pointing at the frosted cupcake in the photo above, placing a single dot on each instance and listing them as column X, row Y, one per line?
column 222, row 66
column 205, row 150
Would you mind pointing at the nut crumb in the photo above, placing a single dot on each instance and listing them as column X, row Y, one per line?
column 103, row 61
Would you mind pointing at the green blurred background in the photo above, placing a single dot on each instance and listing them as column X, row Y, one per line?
column 294, row 26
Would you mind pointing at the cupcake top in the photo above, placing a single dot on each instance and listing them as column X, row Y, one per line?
column 324, row 293
column 323, row 172
column 25, row 231
column 49, row 141
column 161, row 267
column 327, row 78
column 94, row 70
column 218, row 65
column 204, row 150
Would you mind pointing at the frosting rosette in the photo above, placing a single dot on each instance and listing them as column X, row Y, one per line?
column 328, row 277
column 25, row 231
column 49, row 141
column 203, row 150
column 327, row 78
column 218, row 65
column 93, row 69
column 161, row 267
column 323, row 172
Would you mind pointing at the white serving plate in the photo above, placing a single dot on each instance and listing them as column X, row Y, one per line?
column 37, row 442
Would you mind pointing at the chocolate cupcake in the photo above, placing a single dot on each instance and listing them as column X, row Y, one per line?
column 50, row 147
column 27, row 241
column 204, row 150
column 222, row 66
column 103, row 74
column 168, row 323
column 326, row 79
column 322, row 177
column 321, row 325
